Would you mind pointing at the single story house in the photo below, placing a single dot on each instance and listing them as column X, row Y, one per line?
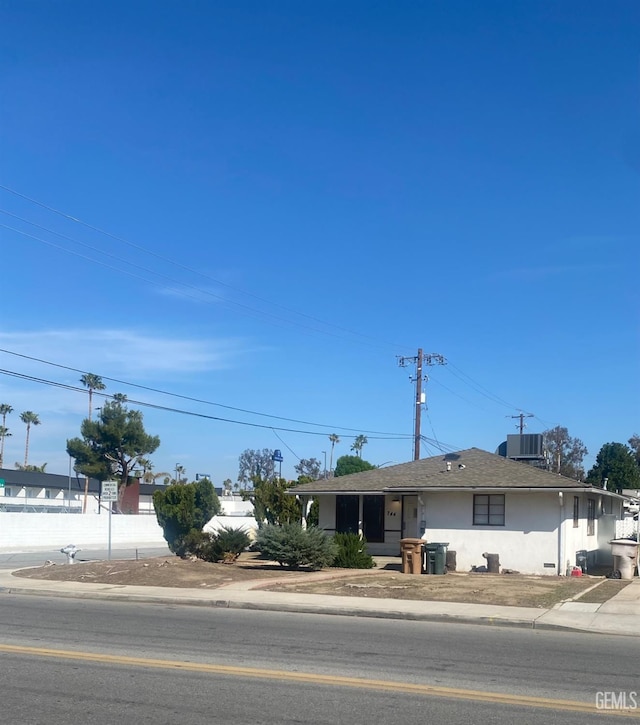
column 477, row 502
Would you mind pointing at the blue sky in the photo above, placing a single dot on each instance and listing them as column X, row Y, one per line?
column 260, row 205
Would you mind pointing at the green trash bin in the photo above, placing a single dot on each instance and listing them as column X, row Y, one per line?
column 435, row 558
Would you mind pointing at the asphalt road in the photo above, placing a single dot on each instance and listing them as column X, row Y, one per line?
column 97, row 662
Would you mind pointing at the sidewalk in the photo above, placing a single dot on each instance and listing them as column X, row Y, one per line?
column 620, row 615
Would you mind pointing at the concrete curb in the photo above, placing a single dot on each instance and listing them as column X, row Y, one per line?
column 621, row 619
column 325, row 609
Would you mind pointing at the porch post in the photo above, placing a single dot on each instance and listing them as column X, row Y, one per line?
column 562, row 569
column 303, row 503
column 360, row 515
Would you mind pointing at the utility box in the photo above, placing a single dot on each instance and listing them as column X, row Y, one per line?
column 411, row 550
column 434, row 558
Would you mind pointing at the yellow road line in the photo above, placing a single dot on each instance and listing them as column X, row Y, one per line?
column 311, row 678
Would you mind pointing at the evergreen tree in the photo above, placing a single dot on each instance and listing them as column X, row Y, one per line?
column 615, row 464
column 113, row 444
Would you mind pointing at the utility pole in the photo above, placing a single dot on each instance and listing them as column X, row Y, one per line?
column 419, row 360
column 522, row 416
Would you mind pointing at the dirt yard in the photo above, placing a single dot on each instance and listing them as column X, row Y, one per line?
column 512, row 590
column 515, row 590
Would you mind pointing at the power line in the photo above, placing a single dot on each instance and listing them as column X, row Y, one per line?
column 190, row 398
column 32, row 378
column 418, row 360
column 250, row 311
column 246, row 309
column 184, row 267
column 479, row 388
column 522, row 425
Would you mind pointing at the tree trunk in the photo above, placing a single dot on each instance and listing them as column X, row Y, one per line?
column 26, row 447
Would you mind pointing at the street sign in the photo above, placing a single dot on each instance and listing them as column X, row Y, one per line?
column 109, row 491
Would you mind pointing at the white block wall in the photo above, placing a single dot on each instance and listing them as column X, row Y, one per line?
column 27, row 531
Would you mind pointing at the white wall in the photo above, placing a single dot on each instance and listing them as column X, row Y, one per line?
column 527, row 541
column 235, row 506
column 25, row 531
column 248, row 523
column 327, row 513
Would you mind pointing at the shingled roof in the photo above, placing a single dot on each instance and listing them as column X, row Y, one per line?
column 470, row 469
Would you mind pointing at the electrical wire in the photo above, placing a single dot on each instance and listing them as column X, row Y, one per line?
column 191, row 270
column 188, row 397
column 251, row 312
column 246, row 309
column 480, row 389
column 156, row 406
column 286, row 445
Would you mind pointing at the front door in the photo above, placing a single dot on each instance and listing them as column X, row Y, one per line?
column 410, row 528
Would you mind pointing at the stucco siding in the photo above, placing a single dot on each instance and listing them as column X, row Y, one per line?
column 327, row 514
column 527, row 541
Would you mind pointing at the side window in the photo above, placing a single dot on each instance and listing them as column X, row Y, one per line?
column 488, row 509
column 591, row 517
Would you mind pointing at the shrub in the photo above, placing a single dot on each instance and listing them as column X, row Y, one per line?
column 352, row 552
column 225, row 545
column 182, row 509
column 190, row 544
column 291, row 545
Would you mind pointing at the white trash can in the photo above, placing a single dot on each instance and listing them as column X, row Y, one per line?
column 625, row 554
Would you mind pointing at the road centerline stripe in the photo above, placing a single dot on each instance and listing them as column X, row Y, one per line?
column 319, row 679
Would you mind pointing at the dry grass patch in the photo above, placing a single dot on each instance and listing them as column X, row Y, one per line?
column 162, row 572
column 511, row 590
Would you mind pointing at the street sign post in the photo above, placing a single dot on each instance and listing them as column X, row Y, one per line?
column 109, row 492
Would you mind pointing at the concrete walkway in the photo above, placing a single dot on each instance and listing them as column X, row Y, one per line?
column 620, row 615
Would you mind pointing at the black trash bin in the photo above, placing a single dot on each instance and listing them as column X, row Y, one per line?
column 434, row 558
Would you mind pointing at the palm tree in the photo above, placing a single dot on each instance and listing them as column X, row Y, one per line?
column 28, row 418
column 358, row 444
column 32, row 469
column 334, row 438
column 180, row 474
column 147, row 469
column 5, row 409
column 164, row 475
column 4, row 433
column 92, row 382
